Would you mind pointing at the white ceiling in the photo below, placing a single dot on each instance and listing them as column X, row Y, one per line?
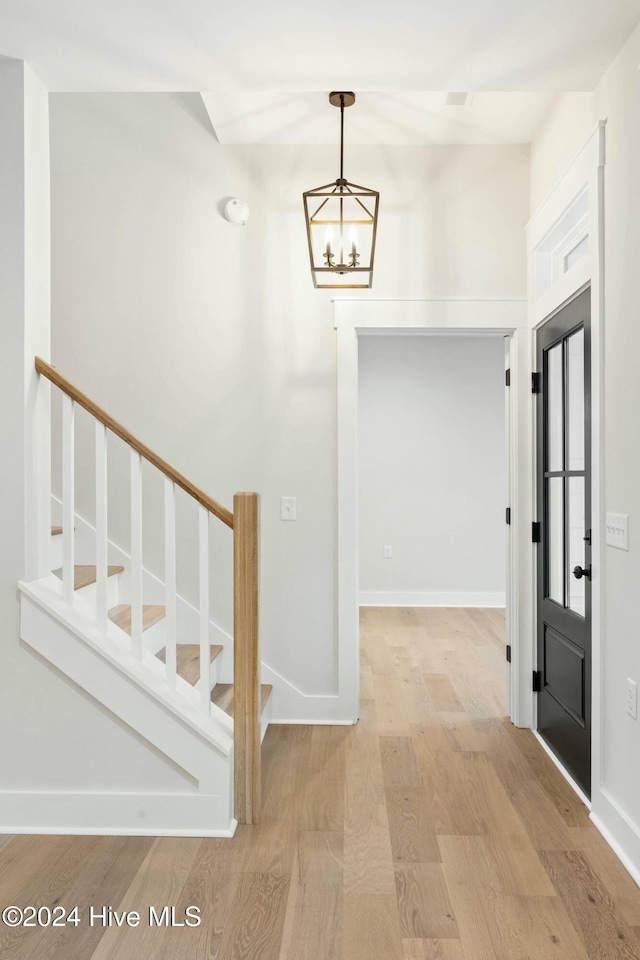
column 295, row 46
column 376, row 118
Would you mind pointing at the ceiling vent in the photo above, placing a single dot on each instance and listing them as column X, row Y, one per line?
column 458, row 99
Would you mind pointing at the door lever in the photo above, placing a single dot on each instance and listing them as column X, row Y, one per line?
column 580, row 572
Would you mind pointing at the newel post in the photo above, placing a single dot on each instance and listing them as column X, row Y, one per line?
column 246, row 657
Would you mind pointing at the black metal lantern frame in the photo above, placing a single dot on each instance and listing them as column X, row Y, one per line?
column 342, row 221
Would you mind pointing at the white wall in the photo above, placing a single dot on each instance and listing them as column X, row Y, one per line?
column 53, row 738
column 617, row 99
column 561, row 137
column 209, row 340
column 432, row 459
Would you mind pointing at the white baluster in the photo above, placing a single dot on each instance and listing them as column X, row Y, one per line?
column 101, row 525
column 136, row 554
column 170, row 578
column 68, row 496
column 205, row 649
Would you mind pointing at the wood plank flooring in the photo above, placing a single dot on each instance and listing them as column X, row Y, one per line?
column 432, row 830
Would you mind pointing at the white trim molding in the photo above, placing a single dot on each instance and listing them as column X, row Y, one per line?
column 115, row 814
column 620, row 832
column 354, row 318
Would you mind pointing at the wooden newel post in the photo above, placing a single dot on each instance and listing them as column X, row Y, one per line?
column 246, row 657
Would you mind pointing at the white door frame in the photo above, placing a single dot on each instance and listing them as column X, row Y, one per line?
column 459, row 317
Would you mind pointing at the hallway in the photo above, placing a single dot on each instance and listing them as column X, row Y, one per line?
column 433, row 830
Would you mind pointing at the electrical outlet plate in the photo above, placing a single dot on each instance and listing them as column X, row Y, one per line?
column 387, row 552
column 617, row 532
column 632, row 698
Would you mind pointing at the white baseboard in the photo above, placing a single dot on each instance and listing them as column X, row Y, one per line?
column 615, row 825
column 115, row 815
column 398, row 598
column 291, row 705
column 619, row 830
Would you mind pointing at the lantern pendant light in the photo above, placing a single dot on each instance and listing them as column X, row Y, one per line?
column 342, row 220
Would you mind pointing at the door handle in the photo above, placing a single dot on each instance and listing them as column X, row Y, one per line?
column 580, row 572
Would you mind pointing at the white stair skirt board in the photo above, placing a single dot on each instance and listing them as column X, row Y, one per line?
column 135, row 694
column 391, row 598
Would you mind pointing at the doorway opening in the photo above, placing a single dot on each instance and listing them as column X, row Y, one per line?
column 433, row 492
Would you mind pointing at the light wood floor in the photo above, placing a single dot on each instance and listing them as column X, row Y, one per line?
column 433, row 830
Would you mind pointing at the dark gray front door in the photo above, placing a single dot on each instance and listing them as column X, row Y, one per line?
column 564, row 551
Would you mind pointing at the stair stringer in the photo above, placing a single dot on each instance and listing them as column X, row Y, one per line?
column 136, row 694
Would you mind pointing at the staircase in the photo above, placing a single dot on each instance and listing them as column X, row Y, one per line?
column 187, row 654
column 156, row 663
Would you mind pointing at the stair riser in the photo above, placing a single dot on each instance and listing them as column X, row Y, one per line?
column 213, row 675
column 265, row 719
column 113, row 588
column 153, row 636
column 55, row 553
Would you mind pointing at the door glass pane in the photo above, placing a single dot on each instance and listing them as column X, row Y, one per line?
column 575, row 400
column 576, row 542
column 555, row 458
column 555, row 539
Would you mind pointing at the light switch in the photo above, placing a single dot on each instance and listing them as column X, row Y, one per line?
column 617, row 534
column 287, row 508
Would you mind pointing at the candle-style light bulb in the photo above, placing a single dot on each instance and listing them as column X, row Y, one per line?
column 328, row 237
column 353, row 238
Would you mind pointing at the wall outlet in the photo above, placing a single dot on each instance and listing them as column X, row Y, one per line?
column 387, row 552
column 632, row 698
column 287, row 508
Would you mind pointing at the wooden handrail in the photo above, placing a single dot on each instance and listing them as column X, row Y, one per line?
column 46, row 370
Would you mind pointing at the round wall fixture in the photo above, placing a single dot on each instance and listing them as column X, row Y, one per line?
column 236, row 211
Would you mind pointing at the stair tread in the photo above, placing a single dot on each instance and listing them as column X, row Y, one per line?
column 121, row 615
column 56, row 531
column 84, row 574
column 222, row 696
column 188, row 660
